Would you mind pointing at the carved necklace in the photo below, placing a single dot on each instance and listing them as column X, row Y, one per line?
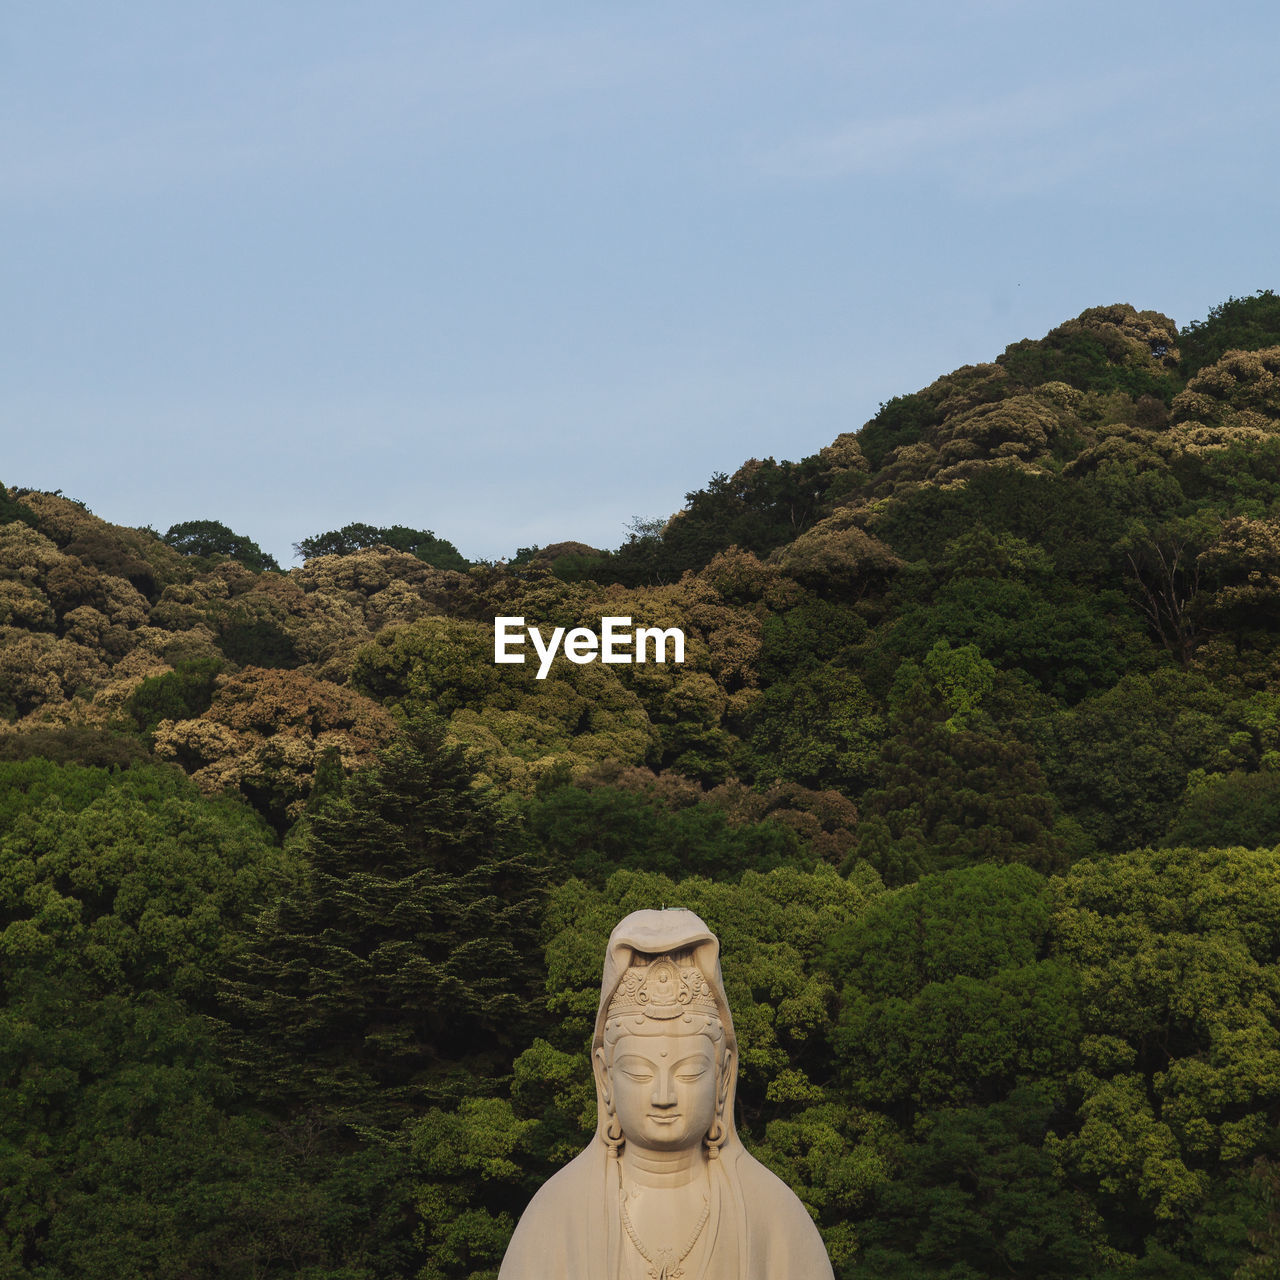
column 664, row 1266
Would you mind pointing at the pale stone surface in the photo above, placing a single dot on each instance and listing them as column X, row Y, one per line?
column 665, row 1191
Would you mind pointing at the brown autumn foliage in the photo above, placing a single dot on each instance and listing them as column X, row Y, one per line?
column 266, row 731
column 39, row 670
column 741, row 578
column 137, row 555
column 1235, row 401
column 838, row 556
column 1242, row 572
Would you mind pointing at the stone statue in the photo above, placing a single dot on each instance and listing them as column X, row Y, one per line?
column 666, row 1190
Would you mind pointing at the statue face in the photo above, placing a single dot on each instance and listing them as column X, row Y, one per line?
column 663, row 1088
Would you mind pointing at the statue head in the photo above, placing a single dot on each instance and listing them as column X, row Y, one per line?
column 664, row 1052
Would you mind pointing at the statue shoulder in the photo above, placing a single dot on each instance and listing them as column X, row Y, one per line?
column 550, row 1240
column 785, row 1241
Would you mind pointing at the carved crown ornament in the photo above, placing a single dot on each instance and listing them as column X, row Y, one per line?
column 662, row 988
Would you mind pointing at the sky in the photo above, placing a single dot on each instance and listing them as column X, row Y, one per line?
column 523, row 273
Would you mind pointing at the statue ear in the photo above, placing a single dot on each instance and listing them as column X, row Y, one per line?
column 601, row 1069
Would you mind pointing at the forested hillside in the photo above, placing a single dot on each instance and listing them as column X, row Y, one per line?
column 973, row 764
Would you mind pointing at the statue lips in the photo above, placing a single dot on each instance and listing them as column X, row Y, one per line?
column 665, row 1120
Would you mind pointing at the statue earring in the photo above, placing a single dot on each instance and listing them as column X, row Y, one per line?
column 613, row 1136
column 715, row 1138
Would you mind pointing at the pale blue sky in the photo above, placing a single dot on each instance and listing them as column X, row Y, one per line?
column 518, row 273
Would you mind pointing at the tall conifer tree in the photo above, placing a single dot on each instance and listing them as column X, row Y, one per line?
column 402, row 963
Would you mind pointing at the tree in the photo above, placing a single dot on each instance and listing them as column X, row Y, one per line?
column 264, row 732
column 1165, row 565
column 136, row 555
column 1239, row 324
column 763, row 505
column 1103, row 349
column 590, row 834
column 947, row 996
column 401, row 966
column 398, row 970
column 213, row 538
column 75, row 744
column 1242, row 569
column 133, row 880
column 1176, row 954
column 1001, row 593
column 1120, row 761
column 1264, row 1260
column 180, row 694
column 950, row 796
column 437, row 552
column 122, row 1154
column 907, row 421
column 11, row 509
column 838, row 559
column 820, row 728
column 977, row 1195
column 1241, row 392
column 520, row 727
column 120, row 896
column 1235, row 808
column 470, row 1166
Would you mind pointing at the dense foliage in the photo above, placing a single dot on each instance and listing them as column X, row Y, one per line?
column 208, row 538
column 422, row 543
column 973, row 764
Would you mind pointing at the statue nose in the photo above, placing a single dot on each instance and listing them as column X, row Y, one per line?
column 664, row 1092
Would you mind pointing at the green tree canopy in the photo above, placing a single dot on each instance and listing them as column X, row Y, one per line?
column 213, row 538
column 947, row 795
column 406, row 949
column 1239, row 324
column 1178, row 955
column 437, row 552
column 133, row 880
column 947, row 994
column 592, row 833
column 1120, row 760
column 976, row 1195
